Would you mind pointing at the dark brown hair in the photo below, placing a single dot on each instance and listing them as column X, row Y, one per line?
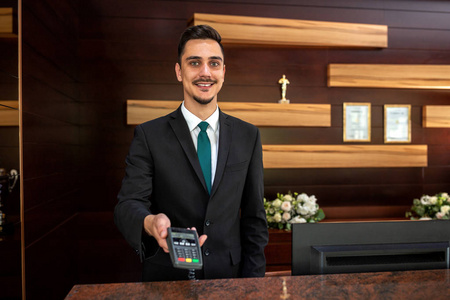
column 198, row 32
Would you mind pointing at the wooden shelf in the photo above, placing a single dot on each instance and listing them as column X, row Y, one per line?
column 436, row 116
column 389, row 76
column 259, row 114
column 9, row 113
column 288, row 32
column 6, row 22
column 344, row 156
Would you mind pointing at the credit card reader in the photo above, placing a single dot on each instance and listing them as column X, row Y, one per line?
column 184, row 248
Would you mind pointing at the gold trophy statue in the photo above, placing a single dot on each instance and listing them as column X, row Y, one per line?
column 284, row 82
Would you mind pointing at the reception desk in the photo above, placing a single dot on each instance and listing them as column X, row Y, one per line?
column 428, row 284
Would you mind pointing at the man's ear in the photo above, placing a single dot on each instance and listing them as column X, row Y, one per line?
column 178, row 72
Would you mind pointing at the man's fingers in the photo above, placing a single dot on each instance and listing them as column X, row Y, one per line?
column 156, row 226
column 163, row 245
column 162, row 231
column 162, row 222
column 202, row 239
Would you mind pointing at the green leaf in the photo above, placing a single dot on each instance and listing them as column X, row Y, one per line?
column 320, row 215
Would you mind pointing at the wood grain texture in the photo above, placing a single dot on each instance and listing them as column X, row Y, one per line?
column 344, row 156
column 9, row 113
column 389, row 76
column 436, row 116
column 6, row 22
column 259, row 114
column 274, row 31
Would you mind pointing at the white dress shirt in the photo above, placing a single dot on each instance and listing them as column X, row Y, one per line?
column 212, row 131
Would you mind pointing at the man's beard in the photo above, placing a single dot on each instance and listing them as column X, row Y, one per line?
column 203, row 101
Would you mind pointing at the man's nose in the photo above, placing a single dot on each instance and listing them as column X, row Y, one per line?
column 205, row 71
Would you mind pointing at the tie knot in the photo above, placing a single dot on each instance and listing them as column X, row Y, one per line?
column 203, row 125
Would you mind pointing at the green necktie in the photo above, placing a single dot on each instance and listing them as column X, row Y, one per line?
column 204, row 153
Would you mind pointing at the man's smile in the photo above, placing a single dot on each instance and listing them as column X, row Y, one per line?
column 204, row 83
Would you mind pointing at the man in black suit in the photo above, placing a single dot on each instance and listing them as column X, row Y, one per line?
column 165, row 186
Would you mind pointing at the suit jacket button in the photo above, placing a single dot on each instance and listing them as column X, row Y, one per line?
column 207, row 223
column 207, row 252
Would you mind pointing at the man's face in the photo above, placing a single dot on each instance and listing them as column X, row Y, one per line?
column 202, row 70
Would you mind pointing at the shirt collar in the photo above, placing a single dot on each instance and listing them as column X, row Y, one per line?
column 193, row 121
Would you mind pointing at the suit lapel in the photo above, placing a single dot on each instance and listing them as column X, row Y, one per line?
column 226, row 128
column 181, row 130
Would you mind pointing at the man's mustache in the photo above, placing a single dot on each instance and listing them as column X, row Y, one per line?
column 204, row 80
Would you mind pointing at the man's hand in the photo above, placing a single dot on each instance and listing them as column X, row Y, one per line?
column 202, row 238
column 156, row 226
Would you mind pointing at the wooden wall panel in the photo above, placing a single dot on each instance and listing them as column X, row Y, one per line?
column 288, row 32
column 259, row 114
column 9, row 114
column 51, row 166
column 349, row 12
column 389, row 76
column 436, row 116
column 6, row 22
column 344, row 156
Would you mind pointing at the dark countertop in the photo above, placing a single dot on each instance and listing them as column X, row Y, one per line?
column 426, row 284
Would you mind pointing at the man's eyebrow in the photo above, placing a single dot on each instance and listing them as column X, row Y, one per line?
column 193, row 57
column 216, row 57
column 198, row 57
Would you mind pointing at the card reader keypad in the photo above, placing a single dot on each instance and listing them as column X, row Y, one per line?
column 186, row 250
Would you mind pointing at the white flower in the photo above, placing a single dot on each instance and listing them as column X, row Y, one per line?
column 445, row 209
column 307, row 209
column 302, row 210
column 311, row 199
column 302, row 197
column 286, row 216
column 311, row 207
column 444, row 195
column 297, row 219
column 287, row 197
column 425, row 200
column 286, row 206
column 425, row 218
column 440, row 215
column 277, row 203
column 277, row 217
column 433, row 200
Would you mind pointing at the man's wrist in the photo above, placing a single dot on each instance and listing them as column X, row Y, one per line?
column 148, row 221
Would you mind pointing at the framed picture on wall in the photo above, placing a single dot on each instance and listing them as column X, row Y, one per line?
column 357, row 122
column 397, row 123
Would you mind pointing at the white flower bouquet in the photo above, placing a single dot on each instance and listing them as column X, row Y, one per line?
column 430, row 207
column 292, row 208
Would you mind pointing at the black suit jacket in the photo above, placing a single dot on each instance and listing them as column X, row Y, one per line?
column 163, row 175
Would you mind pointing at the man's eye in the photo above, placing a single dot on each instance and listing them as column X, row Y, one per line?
column 215, row 64
column 194, row 63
